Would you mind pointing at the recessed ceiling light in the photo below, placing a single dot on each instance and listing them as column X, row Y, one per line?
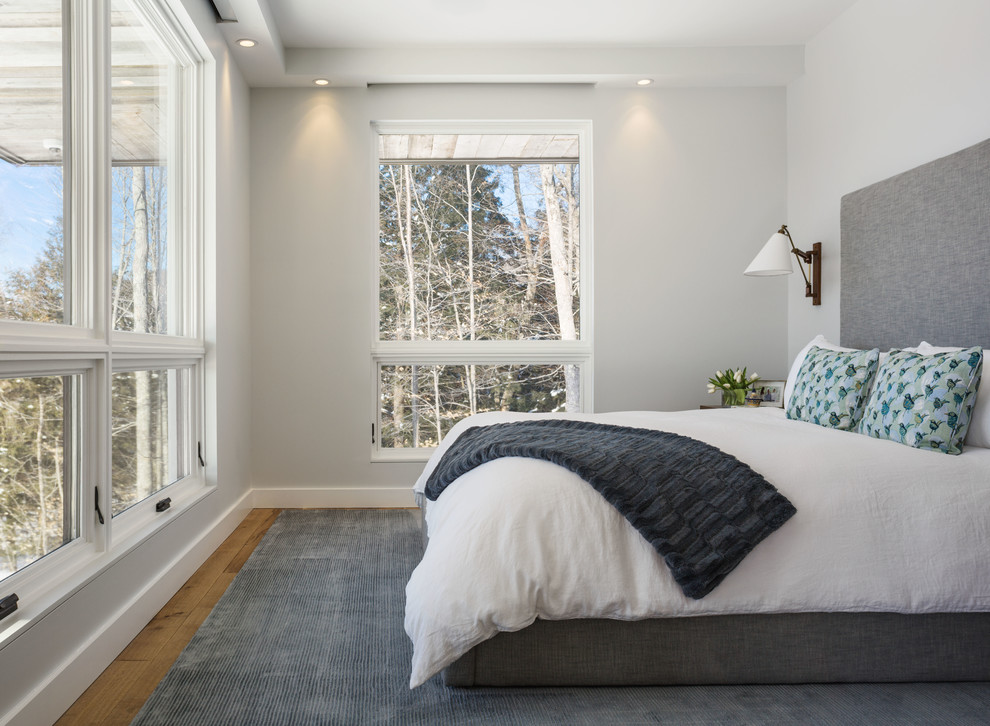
column 321, row 82
column 644, row 82
column 247, row 43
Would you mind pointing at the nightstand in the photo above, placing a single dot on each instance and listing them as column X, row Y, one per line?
column 705, row 407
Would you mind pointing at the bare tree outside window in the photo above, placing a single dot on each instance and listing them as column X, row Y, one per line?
column 442, row 397
column 37, row 514
column 139, row 246
column 140, row 436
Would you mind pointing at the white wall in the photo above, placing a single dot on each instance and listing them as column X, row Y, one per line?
column 688, row 185
column 51, row 663
column 889, row 85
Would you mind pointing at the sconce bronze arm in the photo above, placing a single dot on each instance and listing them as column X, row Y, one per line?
column 813, row 259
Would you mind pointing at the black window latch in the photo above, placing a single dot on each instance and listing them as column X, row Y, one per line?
column 163, row 504
column 8, row 605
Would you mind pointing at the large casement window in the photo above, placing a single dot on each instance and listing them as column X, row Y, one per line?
column 483, row 276
column 101, row 335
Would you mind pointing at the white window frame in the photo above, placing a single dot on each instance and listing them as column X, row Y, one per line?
column 132, row 520
column 35, row 577
column 484, row 352
column 86, row 344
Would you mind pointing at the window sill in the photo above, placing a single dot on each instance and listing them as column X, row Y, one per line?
column 398, row 456
column 86, row 564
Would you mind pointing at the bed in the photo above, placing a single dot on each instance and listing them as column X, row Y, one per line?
column 881, row 575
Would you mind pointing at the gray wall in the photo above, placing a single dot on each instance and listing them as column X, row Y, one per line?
column 688, row 185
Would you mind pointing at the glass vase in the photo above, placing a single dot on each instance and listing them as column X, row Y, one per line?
column 734, row 397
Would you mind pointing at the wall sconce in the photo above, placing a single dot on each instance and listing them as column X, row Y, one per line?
column 775, row 259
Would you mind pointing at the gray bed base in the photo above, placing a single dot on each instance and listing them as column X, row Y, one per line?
column 739, row 649
column 915, row 261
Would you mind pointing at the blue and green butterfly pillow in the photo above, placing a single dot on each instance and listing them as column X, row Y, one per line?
column 831, row 387
column 925, row 401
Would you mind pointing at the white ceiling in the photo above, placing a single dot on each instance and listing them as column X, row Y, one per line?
column 356, row 42
column 372, row 23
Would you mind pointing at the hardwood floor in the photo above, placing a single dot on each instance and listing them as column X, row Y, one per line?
column 120, row 691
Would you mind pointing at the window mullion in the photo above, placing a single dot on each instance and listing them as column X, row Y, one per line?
column 88, row 161
column 88, row 228
column 178, row 324
column 95, row 460
column 488, row 351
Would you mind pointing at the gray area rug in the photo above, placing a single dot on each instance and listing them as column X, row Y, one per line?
column 310, row 632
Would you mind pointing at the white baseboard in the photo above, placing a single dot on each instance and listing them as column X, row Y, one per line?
column 74, row 674
column 333, row 498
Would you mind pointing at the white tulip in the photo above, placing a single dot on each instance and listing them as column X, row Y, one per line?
column 738, row 376
column 718, row 374
column 711, row 388
column 754, row 376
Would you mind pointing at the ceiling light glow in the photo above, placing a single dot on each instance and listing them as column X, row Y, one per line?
column 321, row 82
column 644, row 82
column 247, row 43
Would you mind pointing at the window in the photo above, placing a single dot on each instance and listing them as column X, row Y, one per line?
column 150, row 415
column 482, row 276
column 141, row 125
column 32, row 273
column 101, row 344
column 38, row 468
column 421, row 409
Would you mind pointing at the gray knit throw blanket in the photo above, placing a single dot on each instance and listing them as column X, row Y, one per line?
column 700, row 508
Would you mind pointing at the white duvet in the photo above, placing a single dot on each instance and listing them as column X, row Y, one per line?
column 879, row 527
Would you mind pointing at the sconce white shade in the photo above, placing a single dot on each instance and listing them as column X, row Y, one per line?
column 774, row 259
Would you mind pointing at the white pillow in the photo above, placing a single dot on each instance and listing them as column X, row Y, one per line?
column 979, row 422
column 821, row 342
column 927, row 348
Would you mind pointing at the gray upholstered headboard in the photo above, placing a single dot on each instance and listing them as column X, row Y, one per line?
column 916, row 256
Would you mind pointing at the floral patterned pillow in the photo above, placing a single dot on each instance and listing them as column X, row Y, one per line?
column 831, row 387
column 925, row 401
